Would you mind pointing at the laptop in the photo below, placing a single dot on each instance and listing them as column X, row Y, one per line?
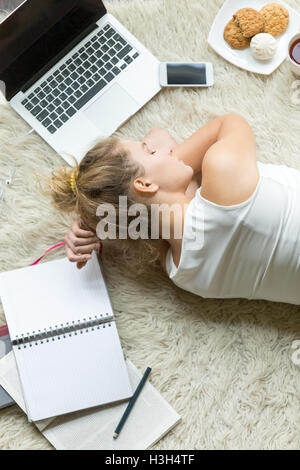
column 73, row 72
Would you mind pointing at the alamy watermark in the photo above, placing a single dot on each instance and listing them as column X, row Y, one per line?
column 138, row 221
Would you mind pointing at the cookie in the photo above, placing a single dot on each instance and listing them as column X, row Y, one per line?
column 250, row 21
column 276, row 18
column 233, row 35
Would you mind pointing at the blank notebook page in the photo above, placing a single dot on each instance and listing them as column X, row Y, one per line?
column 72, row 374
column 70, row 371
column 47, row 295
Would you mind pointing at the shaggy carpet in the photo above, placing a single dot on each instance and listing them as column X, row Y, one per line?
column 224, row 365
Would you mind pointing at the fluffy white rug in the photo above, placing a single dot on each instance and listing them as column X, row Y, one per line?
column 224, row 365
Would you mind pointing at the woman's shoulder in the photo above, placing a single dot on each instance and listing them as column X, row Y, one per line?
column 225, row 183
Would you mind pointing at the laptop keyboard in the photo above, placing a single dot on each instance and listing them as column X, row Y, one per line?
column 80, row 78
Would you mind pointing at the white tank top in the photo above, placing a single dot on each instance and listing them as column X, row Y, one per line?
column 248, row 250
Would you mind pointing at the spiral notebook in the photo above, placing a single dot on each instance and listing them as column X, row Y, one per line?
column 64, row 338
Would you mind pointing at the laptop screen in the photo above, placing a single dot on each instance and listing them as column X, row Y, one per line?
column 38, row 34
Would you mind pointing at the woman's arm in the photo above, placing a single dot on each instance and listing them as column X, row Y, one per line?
column 193, row 149
column 225, row 150
column 230, row 172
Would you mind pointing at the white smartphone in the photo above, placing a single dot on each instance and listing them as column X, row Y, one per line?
column 190, row 74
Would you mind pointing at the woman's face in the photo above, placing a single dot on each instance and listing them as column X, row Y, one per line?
column 161, row 168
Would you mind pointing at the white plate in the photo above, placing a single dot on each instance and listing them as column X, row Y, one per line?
column 244, row 58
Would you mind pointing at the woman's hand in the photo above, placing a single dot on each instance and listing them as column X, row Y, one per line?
column 194, row 185
column 159, row 138
column 80, row 244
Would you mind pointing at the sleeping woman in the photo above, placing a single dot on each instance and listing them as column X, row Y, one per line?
column 239, row 219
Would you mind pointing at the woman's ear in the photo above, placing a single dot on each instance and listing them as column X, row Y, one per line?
column 144, row 186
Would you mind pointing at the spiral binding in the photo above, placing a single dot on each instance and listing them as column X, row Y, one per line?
column 62, row 331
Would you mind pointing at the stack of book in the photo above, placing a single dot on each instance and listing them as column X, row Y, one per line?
column 67, row 370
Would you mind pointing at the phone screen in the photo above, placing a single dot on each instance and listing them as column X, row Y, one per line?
column 186, row 74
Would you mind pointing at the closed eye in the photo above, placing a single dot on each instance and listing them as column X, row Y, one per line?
column 151, row 152
column 145, row 146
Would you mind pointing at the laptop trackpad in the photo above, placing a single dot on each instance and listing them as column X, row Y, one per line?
column 111, row 109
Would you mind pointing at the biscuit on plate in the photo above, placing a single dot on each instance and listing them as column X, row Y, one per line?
column 276, row 18
column 250, row 21
column 233, row 35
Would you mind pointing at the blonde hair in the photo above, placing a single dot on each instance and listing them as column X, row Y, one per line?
column 104, row 174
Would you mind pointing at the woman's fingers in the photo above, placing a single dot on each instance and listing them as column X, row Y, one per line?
column 82, row 249
column 78, row 231
column 77, row 241
column 73, row 257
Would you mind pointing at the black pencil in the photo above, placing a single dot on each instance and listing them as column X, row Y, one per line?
column 131, row 403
